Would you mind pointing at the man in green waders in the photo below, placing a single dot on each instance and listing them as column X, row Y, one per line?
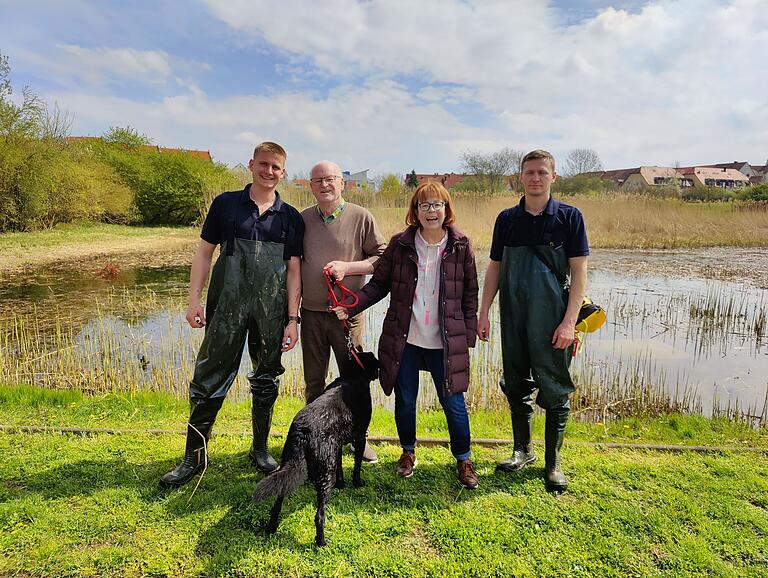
column 254, row 294
column 533, row 244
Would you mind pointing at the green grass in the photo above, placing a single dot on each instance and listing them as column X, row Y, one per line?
column 90, row 506
column 84, row 232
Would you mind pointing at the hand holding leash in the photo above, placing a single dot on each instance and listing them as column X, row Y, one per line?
column 348, row 298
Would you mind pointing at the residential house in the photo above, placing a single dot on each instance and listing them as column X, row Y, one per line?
column 743, row 167
column 448, row 180
column 647, row 176
column 715, row 177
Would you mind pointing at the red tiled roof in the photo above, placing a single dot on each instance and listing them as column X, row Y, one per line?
column 448, row 180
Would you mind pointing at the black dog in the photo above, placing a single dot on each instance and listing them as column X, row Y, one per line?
column 313, row 447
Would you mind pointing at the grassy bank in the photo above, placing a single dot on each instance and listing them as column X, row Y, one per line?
column 90, row 505
column 73, row 242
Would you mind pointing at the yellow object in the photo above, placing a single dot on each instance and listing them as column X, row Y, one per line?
column 591, row 317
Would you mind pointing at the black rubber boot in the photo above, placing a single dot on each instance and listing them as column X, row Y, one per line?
column 522, row 455
column 195, row 460
column 554, row 432
column 261, row 420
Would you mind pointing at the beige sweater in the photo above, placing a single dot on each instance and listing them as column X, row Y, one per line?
column 352, row 236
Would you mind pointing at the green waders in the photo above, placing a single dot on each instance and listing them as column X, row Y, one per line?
column 246, row 297
column 532, row 304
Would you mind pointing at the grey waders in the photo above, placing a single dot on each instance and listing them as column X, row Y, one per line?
column 246, row 300
column 532, row 304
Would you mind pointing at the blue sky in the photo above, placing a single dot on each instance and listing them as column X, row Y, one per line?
column 396, row 85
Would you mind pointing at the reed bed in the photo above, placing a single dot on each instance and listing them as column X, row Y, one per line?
column 140, row 341
column 614, row 220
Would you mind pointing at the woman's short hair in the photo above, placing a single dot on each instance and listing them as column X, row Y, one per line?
column 430, row 191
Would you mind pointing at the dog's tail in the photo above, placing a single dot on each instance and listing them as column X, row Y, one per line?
column 287, row 478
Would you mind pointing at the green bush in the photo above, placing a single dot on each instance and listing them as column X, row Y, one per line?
column 582, row 185
column 755, row 193
column 169, row 188
column 43, row 183
column 706, row 194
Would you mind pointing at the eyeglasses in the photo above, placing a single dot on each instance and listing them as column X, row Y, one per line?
column 325, row 180
column 437, row 205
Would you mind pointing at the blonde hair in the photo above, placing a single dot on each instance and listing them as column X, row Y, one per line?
column 424, row 192
column 270, row 147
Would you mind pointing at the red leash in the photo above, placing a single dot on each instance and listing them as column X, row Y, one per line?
column 347, row 300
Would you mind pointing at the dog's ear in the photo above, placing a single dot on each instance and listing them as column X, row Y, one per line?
column 371, row 364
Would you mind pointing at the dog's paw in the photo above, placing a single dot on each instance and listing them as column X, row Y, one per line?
column 270, row 528
column 340, row 484
column 321, row 541
column 358, row 482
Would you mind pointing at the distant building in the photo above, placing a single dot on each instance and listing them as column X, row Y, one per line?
column 448, row 180
column 716, row 177
column 645, row 176
column 356, row 182
column 743, row 167
column 302, row 183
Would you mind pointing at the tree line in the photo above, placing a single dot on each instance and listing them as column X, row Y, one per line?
column 46, row 180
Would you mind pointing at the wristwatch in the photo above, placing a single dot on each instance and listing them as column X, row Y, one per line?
column 295, row 318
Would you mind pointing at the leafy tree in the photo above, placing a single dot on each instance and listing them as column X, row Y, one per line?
column 390, row 185
column 411, row 181
column 127, row 136
column 581, row 161
column 490, row 169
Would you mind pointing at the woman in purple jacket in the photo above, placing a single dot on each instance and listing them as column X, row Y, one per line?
column 431, row 323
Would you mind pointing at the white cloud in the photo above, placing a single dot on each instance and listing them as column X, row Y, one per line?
column 644, row 87
column 379, row 126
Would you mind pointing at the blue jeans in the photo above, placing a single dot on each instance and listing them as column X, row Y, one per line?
column 406, row 390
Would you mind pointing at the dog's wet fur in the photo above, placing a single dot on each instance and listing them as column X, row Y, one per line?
column 313, row 447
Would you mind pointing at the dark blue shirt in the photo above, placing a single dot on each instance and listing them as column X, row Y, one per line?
column 280, row 223
column 517, row 228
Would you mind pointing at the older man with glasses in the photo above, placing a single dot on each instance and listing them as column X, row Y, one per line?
column 344, row 238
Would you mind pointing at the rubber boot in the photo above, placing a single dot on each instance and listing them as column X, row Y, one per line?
column 522, row 455
column 261, row 420
column 195, row 460
column 554, row 432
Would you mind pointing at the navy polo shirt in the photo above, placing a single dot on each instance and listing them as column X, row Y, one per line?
column 280, row 223
column 516, row 228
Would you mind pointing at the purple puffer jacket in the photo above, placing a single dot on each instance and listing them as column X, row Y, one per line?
column 396, row 272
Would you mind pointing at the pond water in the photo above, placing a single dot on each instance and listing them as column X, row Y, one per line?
column 690, row 325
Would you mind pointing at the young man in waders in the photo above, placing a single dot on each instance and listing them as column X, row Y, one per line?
column 533, row 244
column 345, row 239
column 254, row 294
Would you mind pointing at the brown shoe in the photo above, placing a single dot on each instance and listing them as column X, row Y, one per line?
column 465, row 471
column 406, row 464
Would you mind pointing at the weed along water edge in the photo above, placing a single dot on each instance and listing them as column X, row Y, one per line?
column 672, row 343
